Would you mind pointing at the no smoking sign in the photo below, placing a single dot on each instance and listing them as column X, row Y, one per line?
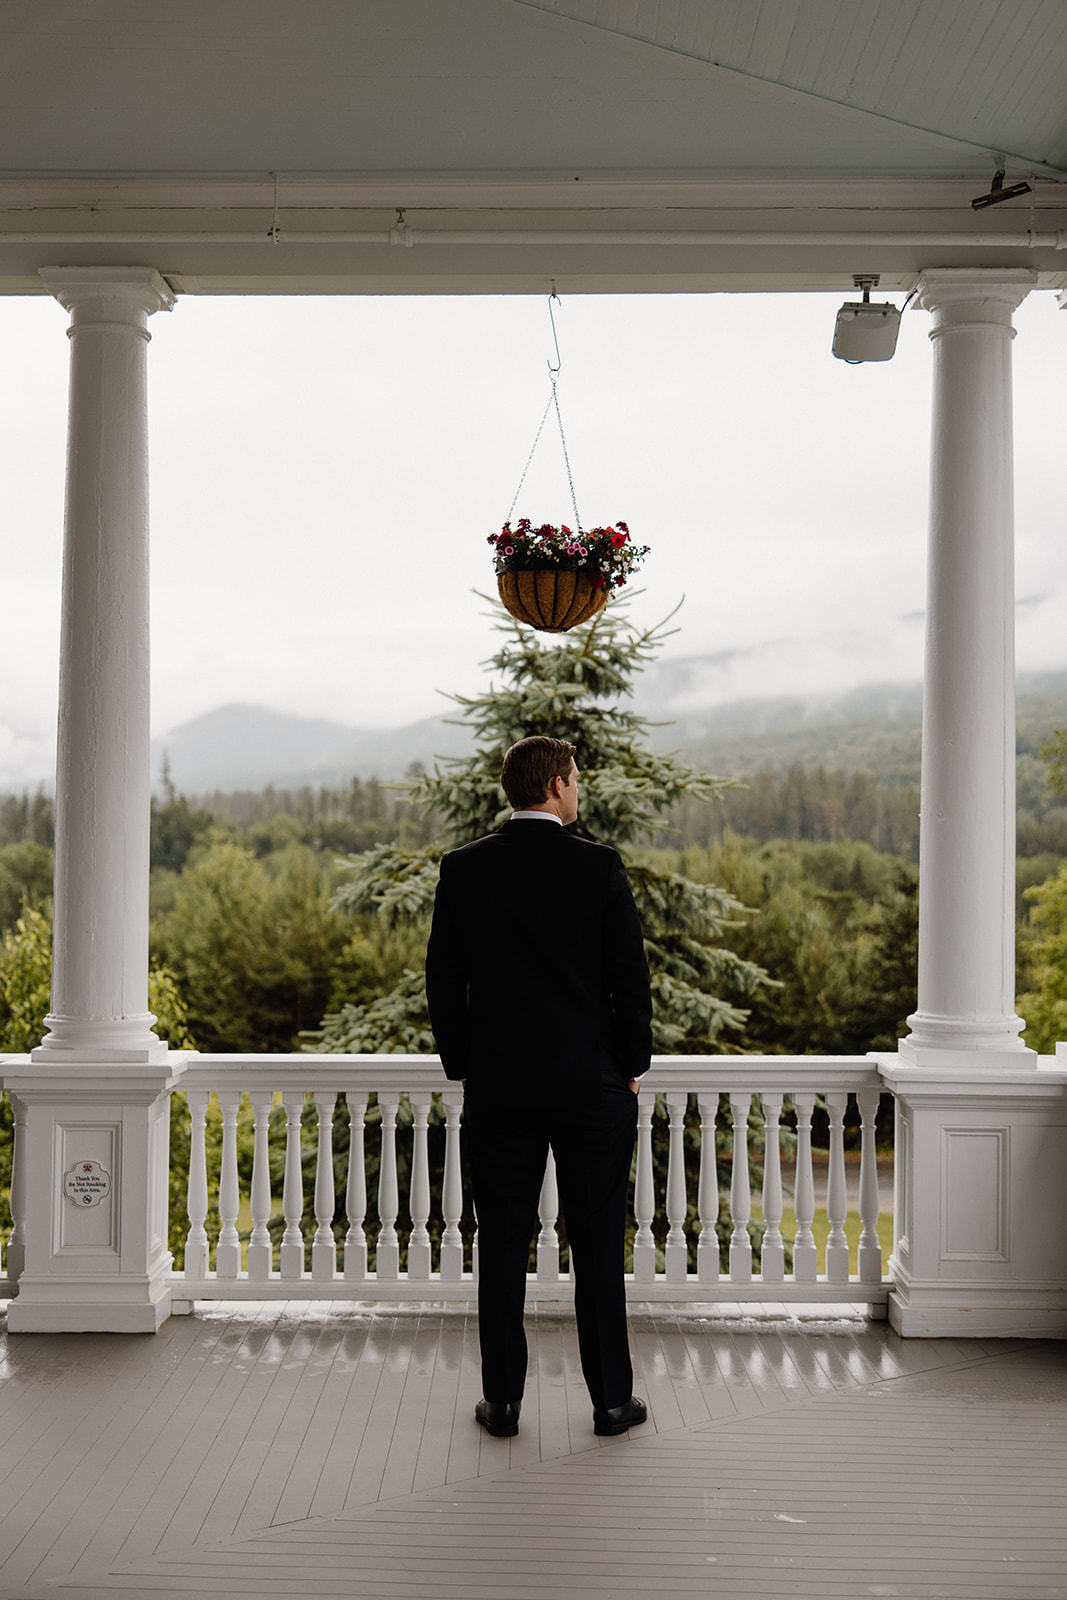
column 87, row 1183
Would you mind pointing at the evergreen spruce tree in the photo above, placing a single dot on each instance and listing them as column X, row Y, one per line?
column 577, row 687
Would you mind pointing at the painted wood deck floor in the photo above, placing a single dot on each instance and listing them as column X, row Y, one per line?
column 304, row 1449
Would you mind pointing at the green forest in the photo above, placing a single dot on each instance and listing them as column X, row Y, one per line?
column 780, row 909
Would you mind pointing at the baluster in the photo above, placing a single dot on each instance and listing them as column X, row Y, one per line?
column 292, row 1252
column 196, row 1245
column 260, row 1250
column 474, row 1249
column 15, row 1255
column 419, row 1242
column 644, row 1195
column 772, row 1254
column 708, row 1192
column 388, row 1193
column 836, row 1193
column 452, row 1192
column 548, row 1238
column 228, row 1249
column 740, row 1192
column 356, row 1191
column 804, row 1264
column 676, row 1252
column 870, row 1250
column 324, row 1245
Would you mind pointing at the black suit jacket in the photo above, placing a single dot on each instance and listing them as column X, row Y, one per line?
column 536, row 974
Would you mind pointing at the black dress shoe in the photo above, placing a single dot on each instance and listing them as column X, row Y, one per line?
column 616, row 1419
column 499, row 1417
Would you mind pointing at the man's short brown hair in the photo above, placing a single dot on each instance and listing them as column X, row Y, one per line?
column 529, row 767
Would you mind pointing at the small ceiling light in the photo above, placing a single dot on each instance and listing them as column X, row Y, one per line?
column 997, row 192
column 866, row 332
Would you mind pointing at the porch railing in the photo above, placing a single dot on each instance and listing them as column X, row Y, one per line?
column 768, row 1100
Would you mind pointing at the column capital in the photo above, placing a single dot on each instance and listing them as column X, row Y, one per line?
column 138, row 290
column 973, row 294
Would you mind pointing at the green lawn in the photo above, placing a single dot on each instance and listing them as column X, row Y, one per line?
column 820, row 1227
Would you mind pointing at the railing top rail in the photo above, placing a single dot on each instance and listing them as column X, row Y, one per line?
column 740, row 1074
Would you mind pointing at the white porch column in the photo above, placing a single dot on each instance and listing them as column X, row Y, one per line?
column 96, row 1092
column 100, row 956
column 981, row 1127
column 967, row 828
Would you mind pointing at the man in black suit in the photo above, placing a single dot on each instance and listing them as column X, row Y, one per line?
column 539, row 998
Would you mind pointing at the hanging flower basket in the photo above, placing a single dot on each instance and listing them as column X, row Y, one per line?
column 551, row 600
column 554, row 579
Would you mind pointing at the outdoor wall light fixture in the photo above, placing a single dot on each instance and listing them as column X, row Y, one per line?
column 866, row 332
column 997, row 192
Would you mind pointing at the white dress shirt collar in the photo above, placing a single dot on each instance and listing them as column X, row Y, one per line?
column 535, row 816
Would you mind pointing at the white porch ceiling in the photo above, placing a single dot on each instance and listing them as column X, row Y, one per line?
column 987, row 76
column 247, row 146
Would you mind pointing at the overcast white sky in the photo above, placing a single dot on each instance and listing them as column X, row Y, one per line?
column 325, row 474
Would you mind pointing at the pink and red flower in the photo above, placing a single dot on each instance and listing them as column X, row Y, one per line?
column 605, row 555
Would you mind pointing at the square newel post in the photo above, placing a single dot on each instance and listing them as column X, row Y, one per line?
column 981, row 1143
column 95, row 1094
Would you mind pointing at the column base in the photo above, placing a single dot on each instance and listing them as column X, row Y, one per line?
column 958, row 1312
column 980, row 1197
column 45, row 1305
column 94, row 1158
column 125, row 1042
column 979, row 1059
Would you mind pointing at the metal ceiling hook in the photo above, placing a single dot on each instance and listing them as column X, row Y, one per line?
column 555, row 339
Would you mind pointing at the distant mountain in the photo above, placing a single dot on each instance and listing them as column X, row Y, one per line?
column 875, row 728
column 249, row 747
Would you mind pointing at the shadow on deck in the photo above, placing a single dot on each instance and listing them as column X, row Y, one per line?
column 297, row 1448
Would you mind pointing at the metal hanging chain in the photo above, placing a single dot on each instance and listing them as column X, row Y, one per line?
column 566, row 460
column 553, row 400
column 530, row 457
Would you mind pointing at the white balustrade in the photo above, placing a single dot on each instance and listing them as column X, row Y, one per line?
column 740, row 1192
column 836, row 1199
column 324, row 1246
column 419, row 1242
column 772, row 1250
column 356, row 1189
column 15, row 1254
column 421, row 1251
column 644, row 1194
column 676, row 1249
column 708, row 1192
column 805, row 1269
column 548, row 1238
column 292, row 1252
column 452, row 1193
column 870, row 1249
column 388, row 1191
column 196, row 1242
column 228, row 1248
column 260, row 1249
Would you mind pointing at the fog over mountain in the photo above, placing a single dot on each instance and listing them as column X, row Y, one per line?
column 251, row 747
column 875, row 727
column 725, row 711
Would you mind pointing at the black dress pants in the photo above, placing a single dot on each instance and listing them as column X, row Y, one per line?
column 594, row 1154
